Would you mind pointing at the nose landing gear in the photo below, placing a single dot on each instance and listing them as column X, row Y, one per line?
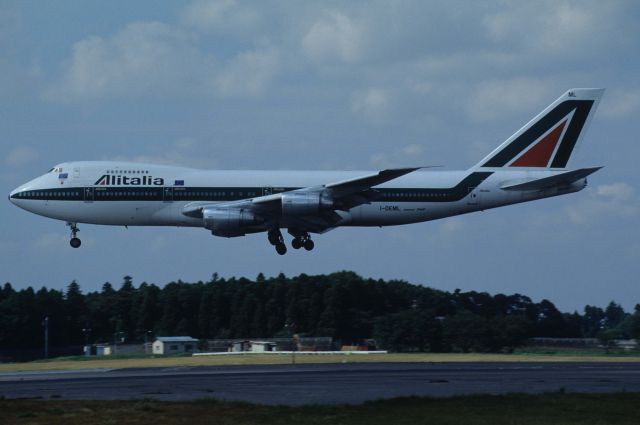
column 75, row 242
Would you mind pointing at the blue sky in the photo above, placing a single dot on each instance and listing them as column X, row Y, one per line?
column 325, row 85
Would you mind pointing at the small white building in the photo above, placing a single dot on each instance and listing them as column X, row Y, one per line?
column 253, row 346
column 175, row 345
column 262, row 346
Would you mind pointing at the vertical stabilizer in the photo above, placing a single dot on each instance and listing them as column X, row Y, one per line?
column 548, row 140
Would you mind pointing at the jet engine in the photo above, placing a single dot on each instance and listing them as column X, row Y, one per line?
column 305, row 203
column 228, row 222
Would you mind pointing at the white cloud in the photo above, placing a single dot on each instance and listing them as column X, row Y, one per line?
column 412, row 150
column 207, row 14
column 612, row 200
column 185, row 151
column 143, row 58
column 409, row 155
column 20, row 155
column 159, row 243
column 380, row 160
column 421, row 87
column 496, row 98
column 228, row 16
column 451, row 225
column 334, row 38
column 186, row 143
column 248, row 74
column 372, row 103
column 551, row 26
column 51, row 241
column 615, row 192
column 156, row 59
column 621, row 103
column 9, row 21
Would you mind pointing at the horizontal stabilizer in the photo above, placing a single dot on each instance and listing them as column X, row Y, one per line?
column 562, row 179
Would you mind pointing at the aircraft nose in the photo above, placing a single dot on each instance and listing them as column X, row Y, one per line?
column 13, row 196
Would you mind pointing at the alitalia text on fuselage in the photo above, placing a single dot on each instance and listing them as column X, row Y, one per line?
column 119, row 180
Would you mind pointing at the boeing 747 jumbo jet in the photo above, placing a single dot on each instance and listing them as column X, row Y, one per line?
column 530, row 165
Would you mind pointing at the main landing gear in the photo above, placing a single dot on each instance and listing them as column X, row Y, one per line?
column 75, row 242
column 300, row 240
column 276, row 239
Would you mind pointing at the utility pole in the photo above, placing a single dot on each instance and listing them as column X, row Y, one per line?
column 117, row 335
column 87, row 333
column 115, row 341
column 45, row 323
column 146, row 334
column 294, row 340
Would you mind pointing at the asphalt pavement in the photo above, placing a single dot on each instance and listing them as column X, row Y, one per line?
column 321, row 384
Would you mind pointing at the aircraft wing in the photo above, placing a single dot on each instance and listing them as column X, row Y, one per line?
column 359, row 184
column 562, row 179
column 346, row 194
column 343, row 195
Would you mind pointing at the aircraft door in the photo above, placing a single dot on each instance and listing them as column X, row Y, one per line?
column 474, row 196
column 88, row 194
column 167, row 194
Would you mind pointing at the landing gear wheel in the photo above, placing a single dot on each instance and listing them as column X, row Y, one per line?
column 75, row 243
column 296, row 243
column 275, row 237
column 281, row 248
column 308, row 244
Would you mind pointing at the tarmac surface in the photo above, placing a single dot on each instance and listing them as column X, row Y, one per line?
column 321, row 383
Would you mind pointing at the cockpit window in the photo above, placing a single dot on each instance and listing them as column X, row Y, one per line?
column 50, row 170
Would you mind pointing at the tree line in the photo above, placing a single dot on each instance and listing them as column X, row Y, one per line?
column 398, row 315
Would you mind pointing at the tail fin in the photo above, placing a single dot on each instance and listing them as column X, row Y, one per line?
column 547, row 141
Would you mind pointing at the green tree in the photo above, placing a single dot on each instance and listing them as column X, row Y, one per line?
column 147, row 310
column 466, row 331
column 408, row 330
column 613, row 315
column 593, row 321
column 76, row 313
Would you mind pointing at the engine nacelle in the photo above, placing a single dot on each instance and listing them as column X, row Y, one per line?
column 228, row 222
column 305, row 203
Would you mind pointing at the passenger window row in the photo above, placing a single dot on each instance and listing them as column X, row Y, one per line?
column 127, row 172
column 47, row 194
column 190, row 194
column 111, row 194
column 418, row 195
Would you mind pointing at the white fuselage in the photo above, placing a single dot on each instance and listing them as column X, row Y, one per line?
column 134, row 194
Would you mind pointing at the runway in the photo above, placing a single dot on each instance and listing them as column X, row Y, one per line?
column 321, row 383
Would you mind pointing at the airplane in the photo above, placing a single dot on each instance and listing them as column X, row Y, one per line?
column 529, row 165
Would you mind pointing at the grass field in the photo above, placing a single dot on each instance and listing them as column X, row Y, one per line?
column 258, row 359
column 547, row 409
